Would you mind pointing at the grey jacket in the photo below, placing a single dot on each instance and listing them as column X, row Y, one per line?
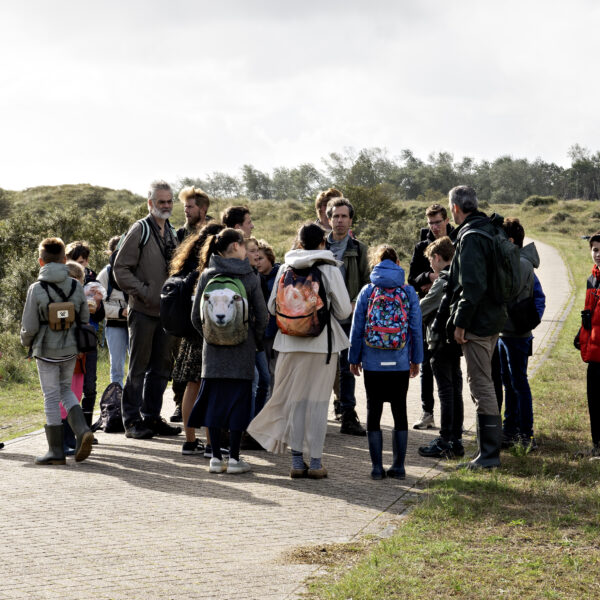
column 430, row 303
column 233, row 362
column 45, row 342
column 530, row 260
column 141, row 272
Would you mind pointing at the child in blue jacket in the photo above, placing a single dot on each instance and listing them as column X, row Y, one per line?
column 387, row 343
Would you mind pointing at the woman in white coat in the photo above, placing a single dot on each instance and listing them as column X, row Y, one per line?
column 296, row 414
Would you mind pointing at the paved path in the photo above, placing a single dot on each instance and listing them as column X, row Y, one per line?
column 139, row 520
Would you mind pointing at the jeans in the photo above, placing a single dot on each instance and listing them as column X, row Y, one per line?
column 150, row 362
column 426, row 380
column 445, row 364
column 518, row 407
column 261, row 383
column 118, row 346
column 347, row 382
column 478, row 356
column 55, row 379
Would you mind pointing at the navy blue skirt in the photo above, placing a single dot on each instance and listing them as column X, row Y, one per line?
column 223, row 403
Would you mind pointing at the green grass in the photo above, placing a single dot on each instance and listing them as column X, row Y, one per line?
column 531, row 529
column 22, row 402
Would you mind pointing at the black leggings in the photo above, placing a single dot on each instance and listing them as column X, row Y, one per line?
column 386, row 386
column 593, row 398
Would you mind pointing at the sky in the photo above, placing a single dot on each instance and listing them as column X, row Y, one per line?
column 120, row 93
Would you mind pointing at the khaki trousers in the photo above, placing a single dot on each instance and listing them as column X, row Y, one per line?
column 478, row 353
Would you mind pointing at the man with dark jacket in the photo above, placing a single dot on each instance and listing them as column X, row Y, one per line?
column 355, row 270
column 141, row 268
column 421, row 276
column 476, row 315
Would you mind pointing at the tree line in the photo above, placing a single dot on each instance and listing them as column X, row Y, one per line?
column 407, row 177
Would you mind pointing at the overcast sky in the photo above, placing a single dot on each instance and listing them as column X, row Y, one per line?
column 120, row 93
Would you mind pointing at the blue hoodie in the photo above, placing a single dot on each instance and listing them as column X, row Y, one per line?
column 386, row 274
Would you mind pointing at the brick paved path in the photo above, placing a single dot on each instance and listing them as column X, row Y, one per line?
column 139, row 520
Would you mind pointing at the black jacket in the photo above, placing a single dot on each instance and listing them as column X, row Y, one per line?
column 419, row 269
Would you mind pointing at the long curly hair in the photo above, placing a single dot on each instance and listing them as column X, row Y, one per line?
column 192, row 244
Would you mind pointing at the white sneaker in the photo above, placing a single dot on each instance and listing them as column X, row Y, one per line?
column 217, row 466
column 237, row 466
column 425, row 422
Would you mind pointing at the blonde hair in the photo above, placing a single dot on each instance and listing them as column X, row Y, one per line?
column 200, row 197
column 76, row 271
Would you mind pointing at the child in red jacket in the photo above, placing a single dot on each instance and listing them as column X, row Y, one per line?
column 588, row 342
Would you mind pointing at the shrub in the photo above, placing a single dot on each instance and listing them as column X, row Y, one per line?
column 13, row 366
column 540, row 201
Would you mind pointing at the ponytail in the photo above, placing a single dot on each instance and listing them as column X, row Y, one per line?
column 218, row 244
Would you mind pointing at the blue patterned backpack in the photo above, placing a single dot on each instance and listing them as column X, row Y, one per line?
column 387, row 318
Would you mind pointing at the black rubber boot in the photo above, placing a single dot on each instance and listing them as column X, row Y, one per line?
column 399, row 442
column 375, row 450
column 55, row 454
column 83, row 434
column 489, row 440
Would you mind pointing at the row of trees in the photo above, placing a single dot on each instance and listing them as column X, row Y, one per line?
column 504, row 180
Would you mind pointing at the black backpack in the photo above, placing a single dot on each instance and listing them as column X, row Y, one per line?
column 176, row 305
column 111, row 417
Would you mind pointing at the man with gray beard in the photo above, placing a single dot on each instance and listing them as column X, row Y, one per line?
column 141, row 268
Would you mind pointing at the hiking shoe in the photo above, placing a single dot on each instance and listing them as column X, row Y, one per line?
column 1, row 445
column 236, row 466
column 317, row 473
column 139, row 431
column 299, row 473
column 437, row 448
column 217, row 466
column 529, row 444
column 351, row 425
column 160, row 427
column 457, row 448
column 249, row 443
column 177, row 416
column 425, row 422
column 509, row 440
column 193, row 448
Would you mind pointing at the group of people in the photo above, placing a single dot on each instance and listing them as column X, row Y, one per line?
column 267, row 343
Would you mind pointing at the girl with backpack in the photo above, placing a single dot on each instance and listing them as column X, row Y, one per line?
column 230, row 314
column 309, row 290
column 387, row 343
column 188, row 364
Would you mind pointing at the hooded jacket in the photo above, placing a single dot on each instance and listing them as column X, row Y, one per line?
column 337, row 298
column 473, row 306
column 45, row 342
column 386, row 274
column 530, row 260
column 232, row 362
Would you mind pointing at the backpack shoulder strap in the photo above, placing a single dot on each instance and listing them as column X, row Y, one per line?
column 63, row 297
column 479, row 231
column 145, row 236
